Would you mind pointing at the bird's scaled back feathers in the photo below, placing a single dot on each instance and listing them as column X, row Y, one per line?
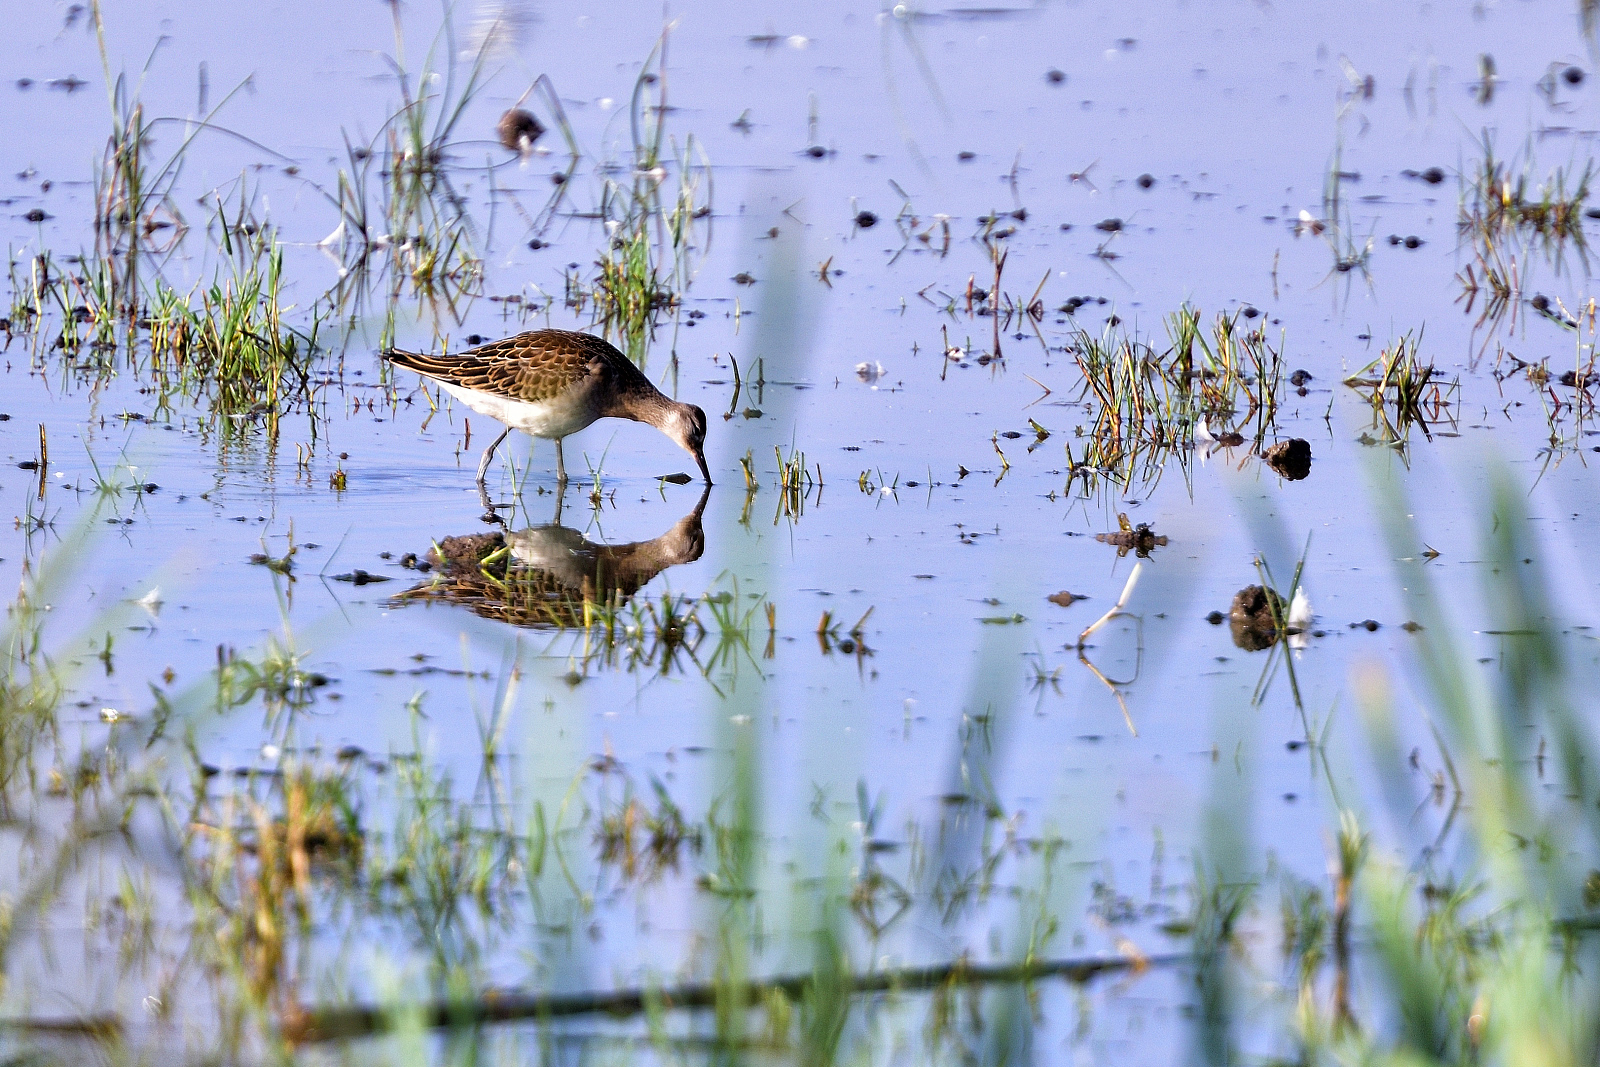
column 533, row 367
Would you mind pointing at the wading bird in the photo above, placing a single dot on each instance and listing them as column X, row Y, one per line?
column 551, row 383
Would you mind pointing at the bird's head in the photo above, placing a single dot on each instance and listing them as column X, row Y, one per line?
column 688, row 428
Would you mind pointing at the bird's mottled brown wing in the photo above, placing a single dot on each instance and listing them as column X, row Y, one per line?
column 529, row 367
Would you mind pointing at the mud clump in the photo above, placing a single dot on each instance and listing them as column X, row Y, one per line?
column 518, row 130
column 467, row 552
column 1291, row 458
column 1253, row 617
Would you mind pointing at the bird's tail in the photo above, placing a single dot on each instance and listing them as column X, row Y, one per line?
column 441, row 368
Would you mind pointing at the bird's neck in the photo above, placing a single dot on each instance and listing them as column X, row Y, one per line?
column 645, row 406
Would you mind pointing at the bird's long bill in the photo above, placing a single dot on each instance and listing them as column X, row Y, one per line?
column 705, row 472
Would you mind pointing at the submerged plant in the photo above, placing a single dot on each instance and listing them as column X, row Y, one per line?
column 403, row 226
column 1149, row 403
column 1499, row 197
column 235, row 347
column 1399, row 381
column 646, row 263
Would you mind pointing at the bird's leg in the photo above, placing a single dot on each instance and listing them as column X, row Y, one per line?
column 489, row 514
column 483, row 464
column 561, row 465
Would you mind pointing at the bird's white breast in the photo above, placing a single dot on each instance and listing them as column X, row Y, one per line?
column 553, row 418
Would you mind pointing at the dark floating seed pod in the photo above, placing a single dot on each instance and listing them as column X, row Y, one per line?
column 1573, row 75
column 1055, row 77
column 1146, row 181
column 866, row 220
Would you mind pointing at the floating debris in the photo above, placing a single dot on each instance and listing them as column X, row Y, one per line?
column 1433, row 175
column 1140, row 539
column 361, row 577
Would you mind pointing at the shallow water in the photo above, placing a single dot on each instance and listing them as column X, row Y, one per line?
column 964, row 688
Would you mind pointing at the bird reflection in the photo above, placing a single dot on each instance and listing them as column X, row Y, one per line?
column 551, row 575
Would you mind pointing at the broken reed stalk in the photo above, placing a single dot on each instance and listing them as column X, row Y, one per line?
column 348, row 1021
column 1116, row 609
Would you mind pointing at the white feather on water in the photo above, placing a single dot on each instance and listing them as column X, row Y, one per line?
column 1300, row 618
